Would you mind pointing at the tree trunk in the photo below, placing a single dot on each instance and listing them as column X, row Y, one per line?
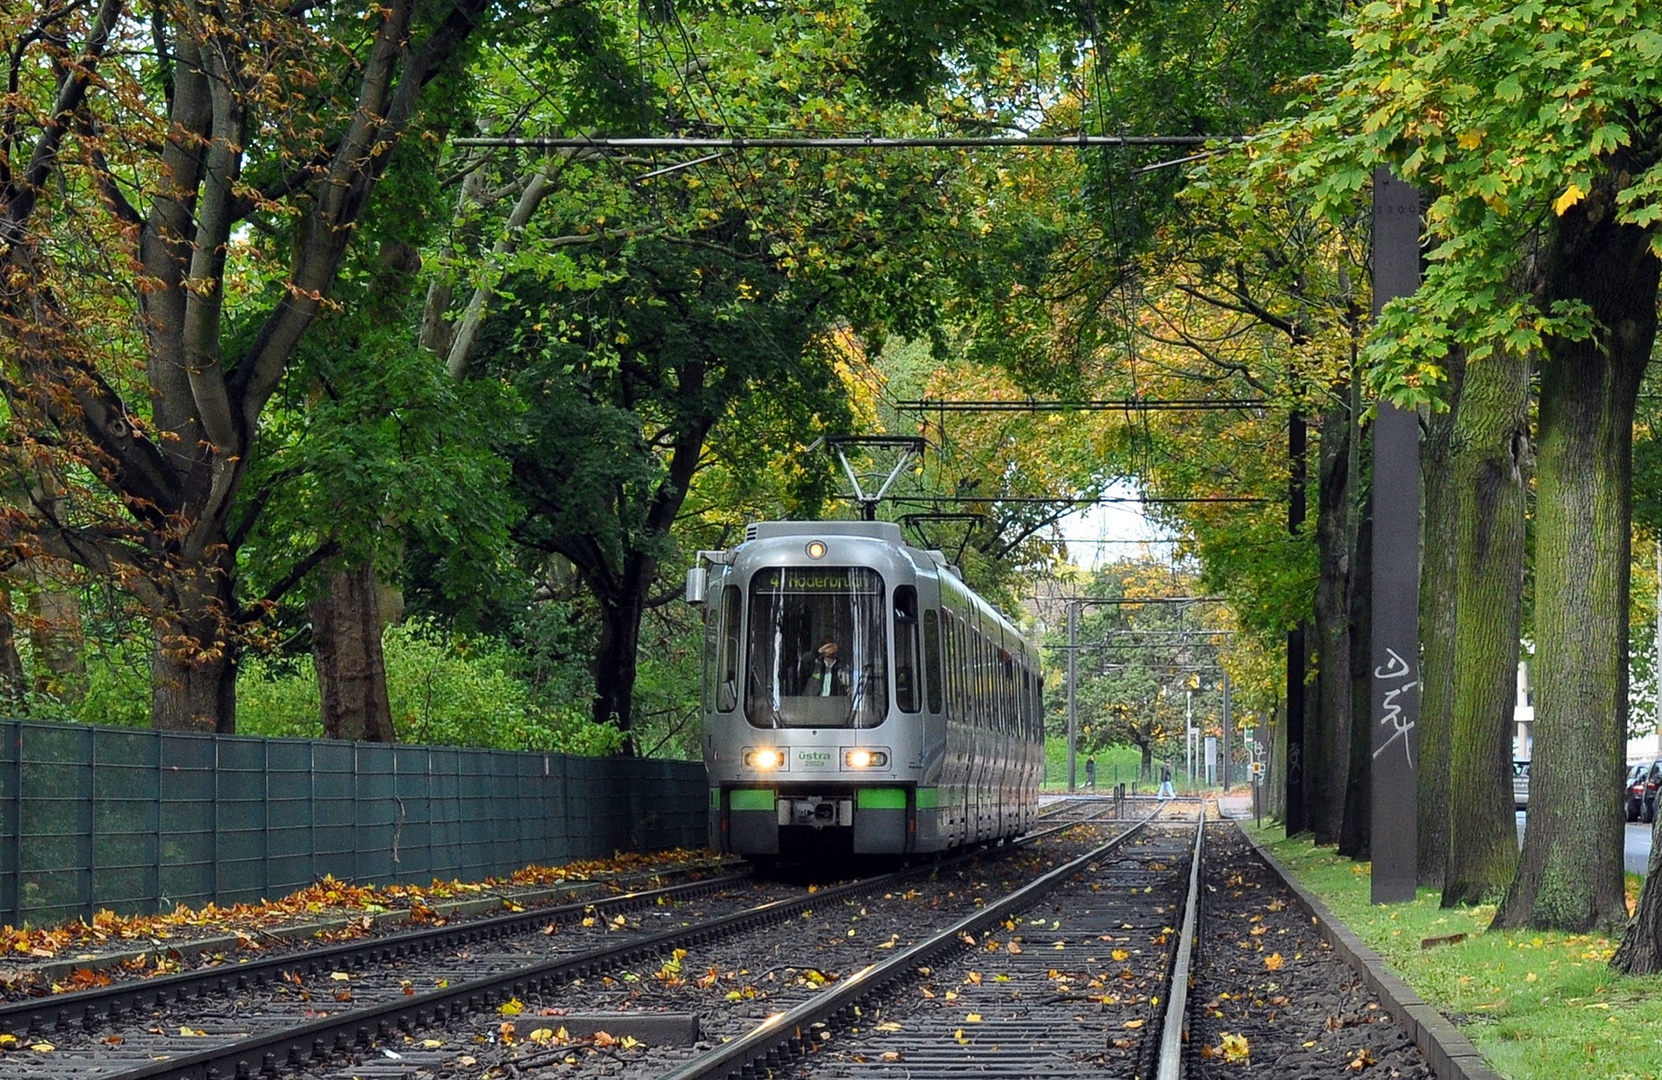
column 56, row 633
column 616, row 659
column 346, row 650
column 1570, row 876
column 193, row 679
column 1489, row 462
column 1273, row 794
column 1327, row 732
column 1356, row 834
column 14, row 689
column 1438, row 584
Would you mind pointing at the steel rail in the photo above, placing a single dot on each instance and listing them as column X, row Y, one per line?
column 788, row 1033
column 1177, row 994
column 83, row 1007
column 317, row 1041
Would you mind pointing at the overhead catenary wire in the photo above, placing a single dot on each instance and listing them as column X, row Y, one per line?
column 830, row 142
column 1135, row 404
column 1080, row 501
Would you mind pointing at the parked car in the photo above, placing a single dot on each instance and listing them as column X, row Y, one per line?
column 1647, row 798
column 1633, row 792
column 1520, row 785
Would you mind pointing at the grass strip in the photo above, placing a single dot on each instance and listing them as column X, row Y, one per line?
column 1538, row 1005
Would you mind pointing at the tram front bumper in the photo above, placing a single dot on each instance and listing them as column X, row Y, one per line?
column 750, row 821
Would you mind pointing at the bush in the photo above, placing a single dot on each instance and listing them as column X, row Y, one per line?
column 444, row 689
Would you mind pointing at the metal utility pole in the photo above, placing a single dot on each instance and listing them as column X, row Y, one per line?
column 1073, row 714
column 1397, row 224
column 1227, row 723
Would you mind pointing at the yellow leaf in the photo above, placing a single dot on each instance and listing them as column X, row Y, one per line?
column 1234, row 1048
column 340, row 976
column 888, row 1025
column 541, row 1035
column 972, row 1018
column 1469, row 140
column 1274, row 962
column 1133, row 1024
column 432, row 1044
column 1572, row 195
column 1120, row 955
column 42, row 1047
column 190, row 1032
column 511, row 1007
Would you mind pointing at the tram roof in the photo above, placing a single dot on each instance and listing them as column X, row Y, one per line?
column 876, row 530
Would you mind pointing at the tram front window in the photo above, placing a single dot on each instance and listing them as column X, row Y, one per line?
column 817, row 653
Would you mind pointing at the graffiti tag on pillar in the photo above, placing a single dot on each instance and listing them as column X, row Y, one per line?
column 1398, row 671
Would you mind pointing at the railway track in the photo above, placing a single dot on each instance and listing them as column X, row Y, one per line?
column 104, row 1031
column 1049, row 958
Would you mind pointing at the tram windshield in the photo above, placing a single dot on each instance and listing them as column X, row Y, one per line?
column 817, row 655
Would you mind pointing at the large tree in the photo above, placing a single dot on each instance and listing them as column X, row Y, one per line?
column 1535, row 130
column 143, row 154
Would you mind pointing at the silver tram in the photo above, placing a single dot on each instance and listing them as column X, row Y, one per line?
column 858, row 697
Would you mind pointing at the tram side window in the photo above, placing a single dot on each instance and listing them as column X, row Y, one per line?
column 932, row 658
column 906, row 648
column 727, row 683
column 954, row 668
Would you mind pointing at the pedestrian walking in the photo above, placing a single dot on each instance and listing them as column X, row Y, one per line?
column 1166, row 791
column 1090, row 773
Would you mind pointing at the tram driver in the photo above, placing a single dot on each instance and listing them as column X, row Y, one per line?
column 822, row 672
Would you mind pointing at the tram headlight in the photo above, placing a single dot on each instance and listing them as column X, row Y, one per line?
column 763, row 758
column 861, row 758
column 816, row 549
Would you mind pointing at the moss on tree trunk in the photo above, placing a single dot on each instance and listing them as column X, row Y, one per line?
column 1570, row 876
column 1489, row 463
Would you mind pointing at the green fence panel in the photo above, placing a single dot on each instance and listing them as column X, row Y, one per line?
column 412, row 839
column 445, row 762
column 187, row 790
column 334, row 810
column 11, row 829
column 126, row 820
column 140, row 821
column 289, row 833
column 377, row 812
column 55, row 802
column 240, row 820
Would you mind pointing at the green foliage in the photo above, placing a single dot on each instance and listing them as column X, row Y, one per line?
column 1140, row 667
column 1509, row 117
column 446, row 689
column 1111, row 761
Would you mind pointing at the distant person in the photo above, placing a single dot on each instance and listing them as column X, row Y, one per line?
column 822, row 672
column 1090, row 773
column 1166, row 791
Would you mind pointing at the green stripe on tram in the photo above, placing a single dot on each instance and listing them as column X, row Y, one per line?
column 880, row 798
column 752, row 799
column 929, row 798
column 715, row 798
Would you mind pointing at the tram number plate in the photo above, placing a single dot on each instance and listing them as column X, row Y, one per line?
column 806, row 758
